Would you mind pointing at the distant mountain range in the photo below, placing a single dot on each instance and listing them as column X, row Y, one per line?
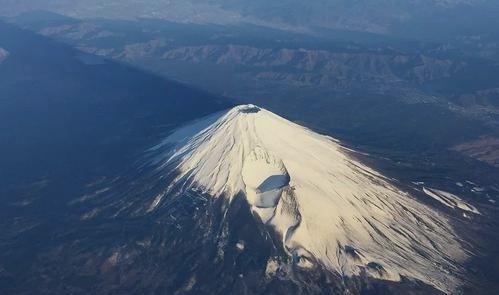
column 381, row 16
column 363, row 81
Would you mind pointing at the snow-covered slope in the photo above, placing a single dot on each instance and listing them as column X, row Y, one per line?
column 329, row 208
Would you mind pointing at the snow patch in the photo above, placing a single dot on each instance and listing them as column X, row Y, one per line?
column 3, row 54
column 450, row 200
column 240, row 245
column 271, row 268
column 478, row 189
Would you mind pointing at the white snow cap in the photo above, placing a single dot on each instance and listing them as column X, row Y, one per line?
column 329, row 207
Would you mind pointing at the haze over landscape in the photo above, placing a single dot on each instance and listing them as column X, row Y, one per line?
column 249, row 147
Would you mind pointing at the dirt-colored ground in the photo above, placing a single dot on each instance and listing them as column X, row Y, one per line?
column 485, row 149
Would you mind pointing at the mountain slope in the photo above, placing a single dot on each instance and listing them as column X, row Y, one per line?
column 68, row 121
column 328, row 209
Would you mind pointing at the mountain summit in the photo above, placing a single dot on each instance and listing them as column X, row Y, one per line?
column 323, row 205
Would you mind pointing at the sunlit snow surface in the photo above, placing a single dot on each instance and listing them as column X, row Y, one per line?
column 328, row 207
column 450, row 200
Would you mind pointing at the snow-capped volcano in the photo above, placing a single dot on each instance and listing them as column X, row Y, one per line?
column 327, row 207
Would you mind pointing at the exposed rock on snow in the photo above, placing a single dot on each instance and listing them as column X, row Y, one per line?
column 328, row 207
